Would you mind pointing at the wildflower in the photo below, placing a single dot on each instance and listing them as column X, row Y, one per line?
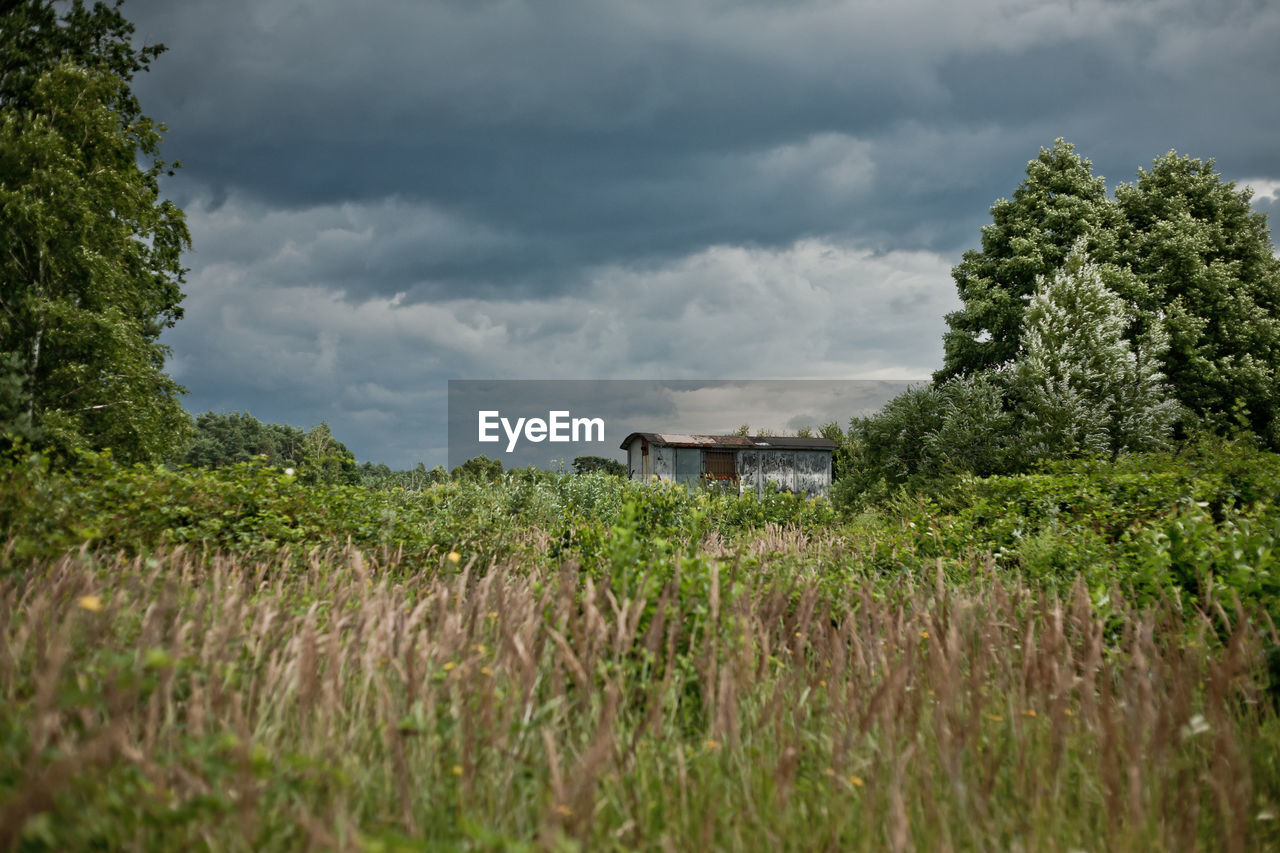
column 92, row 603
column 1030, row 712
column 449, row 666
column 995, row 718
column 457, row 770
column 1068, row 712
column 484, row 670
column 454, row 557
column 711, row 745
column 493, row 614
column 563, row 810
column 480, row 647
column 288, row 472
column 856, row 781
column 924, row 635
column 822, row 683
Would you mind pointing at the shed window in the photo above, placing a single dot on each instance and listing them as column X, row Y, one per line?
column 719, row 465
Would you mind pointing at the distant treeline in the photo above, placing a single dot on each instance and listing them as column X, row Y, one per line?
column 317, row 456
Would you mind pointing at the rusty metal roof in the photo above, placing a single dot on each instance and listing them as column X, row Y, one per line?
column 731, row 442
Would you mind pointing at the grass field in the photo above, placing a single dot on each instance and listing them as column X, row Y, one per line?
column 579, row 663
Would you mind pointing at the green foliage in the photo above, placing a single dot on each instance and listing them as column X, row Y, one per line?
column 1059, row 202
column 665, row 683
column 1083, row 389
column 1200, row 254
column 583, row 464
column 576, row 659
column 479, row 468
column 225, row 439
column 253, row 509
column 91, row 272
column 1194, row 265
column 16, row 424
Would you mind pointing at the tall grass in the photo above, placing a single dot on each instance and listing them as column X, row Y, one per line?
column 185, row 700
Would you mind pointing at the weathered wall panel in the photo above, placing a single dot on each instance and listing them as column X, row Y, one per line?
column 775, row 466
column 813, row 471
column 635, row 460
column 663, row 462
column 688, row 465
column 748, row 465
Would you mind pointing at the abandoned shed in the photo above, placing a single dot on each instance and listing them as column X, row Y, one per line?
column 744, row 462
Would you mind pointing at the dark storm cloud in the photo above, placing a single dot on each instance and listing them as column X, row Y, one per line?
column 528, row 171
column 589, row 132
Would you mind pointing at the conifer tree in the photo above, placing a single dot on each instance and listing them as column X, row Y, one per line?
column 1082, row 389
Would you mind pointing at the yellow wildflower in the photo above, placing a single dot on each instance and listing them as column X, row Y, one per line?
column 457, row 770
column 454, row 557
column 92, row 603
column 856, row 781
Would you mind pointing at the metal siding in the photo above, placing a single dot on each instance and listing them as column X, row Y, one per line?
column 748, row 472
column 812, row 472
column 663, row 461
column 688, row 465
column 776, row 467
column 634, row 460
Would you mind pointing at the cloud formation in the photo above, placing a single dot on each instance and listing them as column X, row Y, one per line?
column 385, row 195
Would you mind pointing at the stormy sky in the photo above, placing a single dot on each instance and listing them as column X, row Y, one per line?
column 390, row 194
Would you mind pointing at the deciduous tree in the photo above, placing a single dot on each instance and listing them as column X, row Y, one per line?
column 90, row 268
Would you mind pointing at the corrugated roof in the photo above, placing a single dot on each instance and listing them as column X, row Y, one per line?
column 734, row 442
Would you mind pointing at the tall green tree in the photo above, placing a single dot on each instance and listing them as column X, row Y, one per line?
column 1201, row 255
column 90, row 272
column 1180, row 245
column 1082, row 388
column 1030, row 235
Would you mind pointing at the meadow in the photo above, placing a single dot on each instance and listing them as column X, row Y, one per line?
column 1084, row 658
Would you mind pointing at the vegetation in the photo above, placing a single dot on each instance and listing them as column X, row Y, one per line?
column 91, row 271
column 232, row 658
column 585, row 464
column 1039, row 614
column 1180, row 246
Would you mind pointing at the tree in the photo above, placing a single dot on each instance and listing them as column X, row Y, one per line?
column 325, row 459
column 1030, row 236
column 480, row 468
column 585, row 464
column 225, row 439
column 15, row 404
column 1082, row 388
column 1180, row 246
column 90, row 271
column 1205, row 258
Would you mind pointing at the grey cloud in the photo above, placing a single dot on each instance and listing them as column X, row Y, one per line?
column 385, row 195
